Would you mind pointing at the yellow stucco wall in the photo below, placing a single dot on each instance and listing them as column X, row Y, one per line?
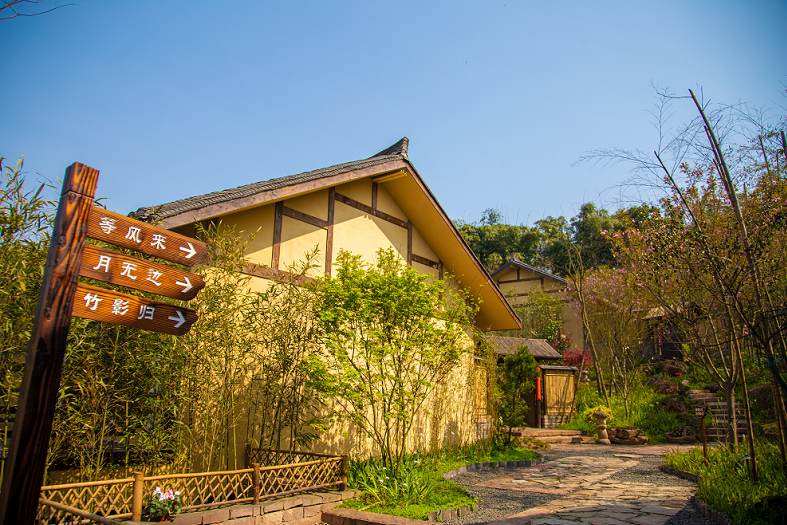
column 447, row 416
column 572, row 325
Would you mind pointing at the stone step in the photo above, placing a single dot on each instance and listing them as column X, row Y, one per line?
column 544, row 432
column 699, row 391
column 717, row 412
column 567, row 439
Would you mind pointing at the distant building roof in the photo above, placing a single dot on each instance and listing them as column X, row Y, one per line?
column 516, row 263
column 539, row 348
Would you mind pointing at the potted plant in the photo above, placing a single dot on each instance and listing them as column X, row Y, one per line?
column 164, row 504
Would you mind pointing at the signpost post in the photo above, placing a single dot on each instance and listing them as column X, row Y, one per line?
column 61, row 296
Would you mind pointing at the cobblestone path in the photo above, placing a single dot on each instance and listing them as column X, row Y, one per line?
column 584, row 485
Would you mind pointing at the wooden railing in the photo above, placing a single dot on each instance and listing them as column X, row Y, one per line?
column 125, row 498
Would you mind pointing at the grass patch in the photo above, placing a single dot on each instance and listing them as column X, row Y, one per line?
column 419, row 488
column 726, row 486
column 445, row 494
column 449, row 459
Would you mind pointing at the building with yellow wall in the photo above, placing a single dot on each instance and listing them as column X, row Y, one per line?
column 518, row 280
column 360, row 206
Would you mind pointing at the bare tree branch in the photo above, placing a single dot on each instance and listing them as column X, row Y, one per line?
column 15, row 8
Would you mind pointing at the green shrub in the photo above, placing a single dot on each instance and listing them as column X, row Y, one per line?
column 726, row 485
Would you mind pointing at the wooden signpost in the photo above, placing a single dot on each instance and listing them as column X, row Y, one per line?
column 62, row 296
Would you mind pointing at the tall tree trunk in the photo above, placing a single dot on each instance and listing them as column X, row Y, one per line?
column 763, row 331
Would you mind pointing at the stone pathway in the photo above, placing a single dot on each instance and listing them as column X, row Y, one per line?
column 591, row 485
column 560, row 476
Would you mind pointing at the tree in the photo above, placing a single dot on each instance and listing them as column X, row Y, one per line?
column 390, row 335
column 288, row 408
column 516, row 380
column 494, row 242
column 614, row 309
column 542, row 318
column 715, row 260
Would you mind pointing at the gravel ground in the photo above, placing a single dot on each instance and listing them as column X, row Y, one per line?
column 498, row 504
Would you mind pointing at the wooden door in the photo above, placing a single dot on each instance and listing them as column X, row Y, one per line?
column 558, row 391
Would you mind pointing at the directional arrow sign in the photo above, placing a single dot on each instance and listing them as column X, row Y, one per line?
column 117, row 268
column 119, row 308
column 120, row 230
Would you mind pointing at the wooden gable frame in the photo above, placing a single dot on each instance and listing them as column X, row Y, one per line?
column 411, row 194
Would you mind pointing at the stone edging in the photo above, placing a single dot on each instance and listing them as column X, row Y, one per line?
column 447, row 514
column 709, row 512
column 712, row 514
column 478, row 466
column 361, row 517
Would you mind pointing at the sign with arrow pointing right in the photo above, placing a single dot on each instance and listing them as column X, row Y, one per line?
column 111, row 227
column 109, row 306
column 116, row 268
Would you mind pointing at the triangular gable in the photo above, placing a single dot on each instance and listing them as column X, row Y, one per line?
column 391, row 168
column 515, row 263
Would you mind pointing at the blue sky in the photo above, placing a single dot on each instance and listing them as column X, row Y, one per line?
column 170, row 99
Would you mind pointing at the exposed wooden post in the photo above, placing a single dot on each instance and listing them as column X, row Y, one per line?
column 136, row 496
column 343, row 472
column 409, row 227
column 255, row 482
column 329, row 237
column 24, row 468
column 278, row 219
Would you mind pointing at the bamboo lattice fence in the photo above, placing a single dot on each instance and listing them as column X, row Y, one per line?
column 124, row 498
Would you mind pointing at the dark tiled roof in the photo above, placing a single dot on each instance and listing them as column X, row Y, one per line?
column 396, row 152
column 539, row 348
column 516, row 263
column 557, row 367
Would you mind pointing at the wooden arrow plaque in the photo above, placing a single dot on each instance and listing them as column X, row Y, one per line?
column 117, row 268
column 129, row 310
column 120, row 230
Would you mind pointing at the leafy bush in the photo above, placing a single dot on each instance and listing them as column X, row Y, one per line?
column 590, row 418
column 574, row 357
column 414, row 481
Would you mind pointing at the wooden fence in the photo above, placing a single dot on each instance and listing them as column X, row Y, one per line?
column 124, row 498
